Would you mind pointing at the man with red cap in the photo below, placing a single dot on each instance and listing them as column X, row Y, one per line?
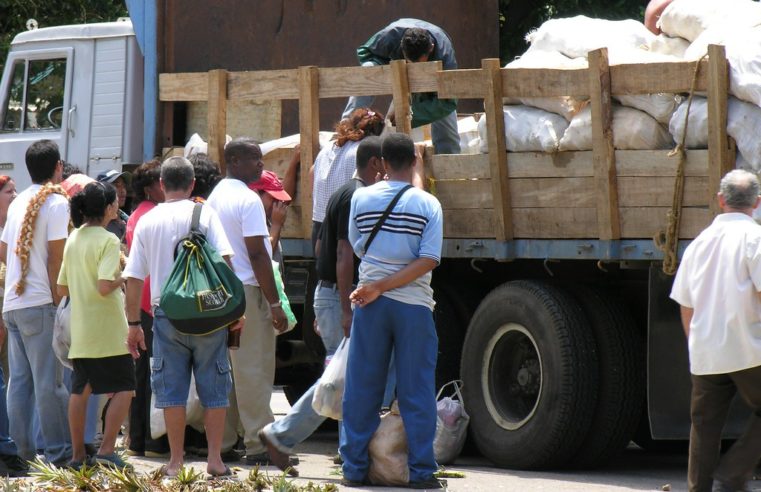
column 275, row 200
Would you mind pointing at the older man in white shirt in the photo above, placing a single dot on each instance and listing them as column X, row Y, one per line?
column 718, row 287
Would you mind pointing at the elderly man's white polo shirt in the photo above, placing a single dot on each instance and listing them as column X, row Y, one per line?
column 719, row 277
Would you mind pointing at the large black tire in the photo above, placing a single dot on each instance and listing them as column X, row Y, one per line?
column 530, row 371
column 621, row 357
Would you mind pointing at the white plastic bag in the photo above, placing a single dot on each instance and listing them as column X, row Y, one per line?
column 451, row 424
column 194, row 413
column 62, row 332
column 688, row 19
column 328, row 396
column 388, row 451
column 632, row 130
column 527, row 130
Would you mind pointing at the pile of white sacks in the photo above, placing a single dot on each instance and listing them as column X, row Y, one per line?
column 653, row 121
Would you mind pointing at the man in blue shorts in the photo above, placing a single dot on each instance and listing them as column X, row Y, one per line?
column 394, row 311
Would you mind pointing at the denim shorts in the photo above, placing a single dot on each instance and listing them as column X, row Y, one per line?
column 176, row 355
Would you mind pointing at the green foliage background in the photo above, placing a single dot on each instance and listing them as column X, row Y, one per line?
column 14, row 14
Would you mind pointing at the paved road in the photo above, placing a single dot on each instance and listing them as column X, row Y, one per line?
column 634, row 470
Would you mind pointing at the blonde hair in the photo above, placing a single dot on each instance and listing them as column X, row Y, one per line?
column 26, row 236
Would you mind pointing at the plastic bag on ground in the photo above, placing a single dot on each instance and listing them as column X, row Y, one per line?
column 632, row 130
column 62, row 332
column 451, row 424
column 388, row 451
column 328, row 396
column 527, row 130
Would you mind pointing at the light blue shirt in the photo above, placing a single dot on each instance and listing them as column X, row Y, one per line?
column 413, row 230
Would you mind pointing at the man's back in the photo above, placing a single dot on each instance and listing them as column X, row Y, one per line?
column 51, row 225
column 385, row 45
column 720, row 277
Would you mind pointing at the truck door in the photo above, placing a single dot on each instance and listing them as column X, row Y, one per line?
column 35, row 95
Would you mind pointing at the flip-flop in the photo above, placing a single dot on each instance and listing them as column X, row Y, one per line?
column 227, row 474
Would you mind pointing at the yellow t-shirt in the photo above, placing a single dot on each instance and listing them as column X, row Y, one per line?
column 98, row 323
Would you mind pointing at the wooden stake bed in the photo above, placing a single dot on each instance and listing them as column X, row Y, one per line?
column 603, row 194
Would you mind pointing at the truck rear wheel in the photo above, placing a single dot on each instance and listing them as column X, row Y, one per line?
column 622, row 377
column 530, row 371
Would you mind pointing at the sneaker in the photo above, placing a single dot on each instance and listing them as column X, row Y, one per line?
column 16, row 467
column 91, row 449
column 231, row 456
column 77, row 465
column 719, row 486
column 112, row 459
column 277, row 457
column 429, row 484
column 134, row 452
column 263, row 459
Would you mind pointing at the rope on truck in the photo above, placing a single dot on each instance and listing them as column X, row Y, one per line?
column 668, row 240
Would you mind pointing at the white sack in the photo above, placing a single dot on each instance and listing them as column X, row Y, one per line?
column 566, row 106
column 666, row 45
column 576, row 36
column 744, row 56
column 468, row 129
column 528, row 130
column 690, row 18
column 632, row 130
column 697, row 128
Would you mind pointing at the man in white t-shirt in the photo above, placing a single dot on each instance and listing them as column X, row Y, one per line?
column 718, row 286
column 174, row 353
column 36, row 375
column 242, row 214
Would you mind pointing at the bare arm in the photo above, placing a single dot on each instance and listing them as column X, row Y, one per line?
column 686, row 319
column 290, row 180
column 262, row 265
column 135, row 337
column 63, row 290
column 55, row 258
column 367, row 293
column 418, row 169
column 105, row 287
column 4, row 252
column 345, row 277
column 279, row 214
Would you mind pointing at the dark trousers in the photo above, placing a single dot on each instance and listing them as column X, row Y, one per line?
column 139, row 414
column 711, row 398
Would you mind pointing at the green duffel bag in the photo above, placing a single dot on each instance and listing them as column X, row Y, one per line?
column 202, row 293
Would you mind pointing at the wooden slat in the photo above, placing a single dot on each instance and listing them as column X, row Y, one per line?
column 495, row 124
column 401, row 92
column 469, row 223
column 216, row 116
column 183, row 86
column 292, row 229
column 718, row 143
column 651, row 191
column 309, row 123
column 650, row 78
column 645, row 222
column 603, row 155
column 348, row 81
column 264, row 84
column 568, row 164
column 423, row 77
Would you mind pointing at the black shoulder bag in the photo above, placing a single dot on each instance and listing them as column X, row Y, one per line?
column 382, row 219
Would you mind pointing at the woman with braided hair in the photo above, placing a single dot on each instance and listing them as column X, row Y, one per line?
column 102, row 364
column 32, row 246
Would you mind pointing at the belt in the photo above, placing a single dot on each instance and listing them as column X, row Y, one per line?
column 327, row 285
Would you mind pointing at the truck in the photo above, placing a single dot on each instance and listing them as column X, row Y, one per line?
column 551, row 301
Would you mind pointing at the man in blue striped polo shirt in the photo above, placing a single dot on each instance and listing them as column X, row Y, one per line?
column 393, row 311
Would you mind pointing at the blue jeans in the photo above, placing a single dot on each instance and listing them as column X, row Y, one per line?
column 444, row 133
column 302, row 420
column 36, row 382
column 379, row 327
column 7, row 446
column 175, row 355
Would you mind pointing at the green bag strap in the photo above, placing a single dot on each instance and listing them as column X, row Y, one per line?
column 196, row 220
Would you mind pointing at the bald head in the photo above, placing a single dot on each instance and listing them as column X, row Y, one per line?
column 740, row 189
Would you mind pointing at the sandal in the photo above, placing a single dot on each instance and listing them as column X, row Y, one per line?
column 227, row 474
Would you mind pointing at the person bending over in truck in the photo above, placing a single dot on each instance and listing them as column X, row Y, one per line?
column 394, row 311
column 415, row 41
column 718, row 286
column 337, row 272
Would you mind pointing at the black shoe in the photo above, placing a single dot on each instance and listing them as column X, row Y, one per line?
column 16, row 467
column 722, row 487
column 337, row 460
column 91, row 450
column 354, row 483
column 263, row 459
column 429, row 484
column 231, row 456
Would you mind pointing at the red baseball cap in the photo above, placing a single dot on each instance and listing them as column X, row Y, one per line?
column 270, row 183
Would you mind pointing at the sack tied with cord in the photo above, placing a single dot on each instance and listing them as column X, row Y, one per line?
column 202, row 294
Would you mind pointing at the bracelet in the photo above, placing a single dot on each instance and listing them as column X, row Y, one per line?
column 277, row 304
column 133, row 323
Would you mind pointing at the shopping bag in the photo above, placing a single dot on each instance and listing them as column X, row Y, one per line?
column 284, row 302
column 62, row 332
column 194, row 413
column 328, row 396
column 451, row 424
column 388, row 451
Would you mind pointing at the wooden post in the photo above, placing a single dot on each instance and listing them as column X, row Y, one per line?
column 495, row 125
column 309, row 125
column 216, row 116
column 603, row 153
column 719, row 154
column 401, row 92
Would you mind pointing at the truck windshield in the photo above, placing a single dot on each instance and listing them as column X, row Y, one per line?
column 35, row 96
